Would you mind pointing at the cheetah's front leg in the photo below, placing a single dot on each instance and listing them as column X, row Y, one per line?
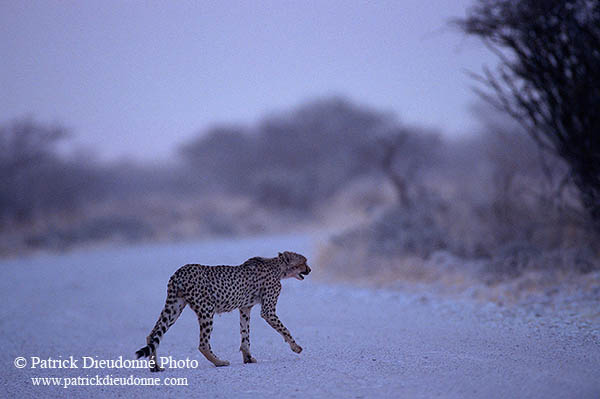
column 274, row 322
column 267, row 312
column 245, row 333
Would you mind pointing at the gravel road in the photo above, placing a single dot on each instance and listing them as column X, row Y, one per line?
column 101, row 303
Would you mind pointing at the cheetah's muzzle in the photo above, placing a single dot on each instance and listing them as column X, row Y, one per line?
column 302, row 274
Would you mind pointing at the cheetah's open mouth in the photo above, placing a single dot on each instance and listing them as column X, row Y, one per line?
column 301, row 275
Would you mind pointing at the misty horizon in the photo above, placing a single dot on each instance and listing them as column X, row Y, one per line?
column 135, row 88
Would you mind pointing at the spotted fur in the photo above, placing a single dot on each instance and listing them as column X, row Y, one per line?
column 218, row 289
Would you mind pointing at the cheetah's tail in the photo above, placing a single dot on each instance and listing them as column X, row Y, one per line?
column 143, row 352
column 171, row 311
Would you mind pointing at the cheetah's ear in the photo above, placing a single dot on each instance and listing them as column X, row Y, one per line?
column 284, row 257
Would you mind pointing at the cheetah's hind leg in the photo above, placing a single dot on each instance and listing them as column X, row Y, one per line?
column 205, row 320
column 245, row 334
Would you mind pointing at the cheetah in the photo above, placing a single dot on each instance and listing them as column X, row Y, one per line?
column 219, row 289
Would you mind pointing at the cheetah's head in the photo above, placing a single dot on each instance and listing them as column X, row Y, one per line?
column 294, row 265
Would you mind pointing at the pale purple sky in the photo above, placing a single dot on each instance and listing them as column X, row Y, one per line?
column 135, row 79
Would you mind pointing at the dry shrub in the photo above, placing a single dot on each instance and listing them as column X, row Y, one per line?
column 461, row 243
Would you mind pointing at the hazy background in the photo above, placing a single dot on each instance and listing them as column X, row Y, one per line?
column 134, row 80
column 123, row 122
column 136, row 137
